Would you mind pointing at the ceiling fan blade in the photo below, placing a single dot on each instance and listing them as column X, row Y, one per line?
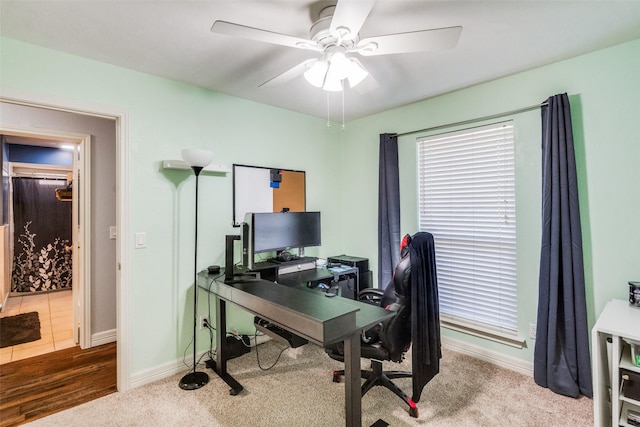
column 369, row 84
column 290, row 74
column 250, row 33
column 416, row 41
column 350, row 14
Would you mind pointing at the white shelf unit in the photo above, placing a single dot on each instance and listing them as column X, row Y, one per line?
column 617, row 321
column 180, row 164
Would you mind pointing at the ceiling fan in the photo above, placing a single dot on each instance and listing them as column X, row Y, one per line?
column 334, row 35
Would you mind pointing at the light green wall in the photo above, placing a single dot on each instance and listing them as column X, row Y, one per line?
column 166, row 116
column 604, row 91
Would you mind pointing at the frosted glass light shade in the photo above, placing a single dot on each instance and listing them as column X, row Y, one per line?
column 197, row 157
column 329, row 74
column 357, row 72
column 340, row 66
column 315, row 74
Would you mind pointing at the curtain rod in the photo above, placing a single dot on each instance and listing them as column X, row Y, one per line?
column 39, row 175
column 479, row 119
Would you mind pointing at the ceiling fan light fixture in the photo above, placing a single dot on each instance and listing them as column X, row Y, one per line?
column 315, row 75
column 329, row 74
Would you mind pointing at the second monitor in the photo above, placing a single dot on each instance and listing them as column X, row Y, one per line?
column 275, row 232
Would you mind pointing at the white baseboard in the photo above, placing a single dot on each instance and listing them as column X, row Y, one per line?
column 176, row 367
column 161, row 372
column 104, row 337
column 507, row 362
column 526, row 368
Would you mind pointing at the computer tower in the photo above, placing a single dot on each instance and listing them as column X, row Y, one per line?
column 366, row 276
column 361, row 263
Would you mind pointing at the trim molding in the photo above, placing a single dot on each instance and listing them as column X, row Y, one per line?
column 507, row 362
column 161, row 372
column 176, row 367
column 104, row 337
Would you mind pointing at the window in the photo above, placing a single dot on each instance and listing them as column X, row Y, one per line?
column 467, row 201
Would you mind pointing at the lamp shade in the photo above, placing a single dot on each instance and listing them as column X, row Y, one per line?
column 357, row 72
column 330, row 71
column 315, row 74
column 197, row 157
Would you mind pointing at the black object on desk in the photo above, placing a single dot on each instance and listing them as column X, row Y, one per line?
column 365, row 275
column 306, row 314
column 343, row 280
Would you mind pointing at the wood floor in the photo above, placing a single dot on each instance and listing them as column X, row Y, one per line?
column 42, row 385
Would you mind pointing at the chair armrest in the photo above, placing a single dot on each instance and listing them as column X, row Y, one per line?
column 371, row 296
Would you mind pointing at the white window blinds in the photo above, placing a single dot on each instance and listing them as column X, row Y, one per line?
column 467, row 201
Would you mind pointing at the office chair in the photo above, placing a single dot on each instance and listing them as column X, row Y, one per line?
column 413, row 295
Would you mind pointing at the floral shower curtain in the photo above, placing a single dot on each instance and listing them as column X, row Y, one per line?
column 42, row 232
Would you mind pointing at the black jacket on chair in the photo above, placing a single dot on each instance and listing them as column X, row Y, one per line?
column 425, row 320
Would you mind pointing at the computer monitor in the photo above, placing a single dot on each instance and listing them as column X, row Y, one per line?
column 271, row 232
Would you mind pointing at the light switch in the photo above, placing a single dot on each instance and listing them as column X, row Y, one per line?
column 141, row 240
column 113, row 233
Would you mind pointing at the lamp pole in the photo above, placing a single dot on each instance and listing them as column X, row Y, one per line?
column 197, row 159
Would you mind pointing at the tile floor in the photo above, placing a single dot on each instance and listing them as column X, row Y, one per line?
column 55, row 310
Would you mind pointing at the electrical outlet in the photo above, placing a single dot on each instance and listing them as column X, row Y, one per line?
column 532, row 331
column 203, row 320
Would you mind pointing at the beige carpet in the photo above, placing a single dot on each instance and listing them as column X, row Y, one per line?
column 298, row 391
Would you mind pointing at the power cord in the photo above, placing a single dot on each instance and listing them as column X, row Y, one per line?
column 255, row 336
column 212, row 353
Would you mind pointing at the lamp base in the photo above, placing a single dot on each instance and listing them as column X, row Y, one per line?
column 194, row 380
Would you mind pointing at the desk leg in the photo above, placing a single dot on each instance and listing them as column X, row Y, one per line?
column 352, row 390
column 221, row 335
column 220, row 364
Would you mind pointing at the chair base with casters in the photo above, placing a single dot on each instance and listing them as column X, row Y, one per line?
column 377, row 377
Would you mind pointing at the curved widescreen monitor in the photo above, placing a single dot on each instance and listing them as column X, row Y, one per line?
column 281, row 231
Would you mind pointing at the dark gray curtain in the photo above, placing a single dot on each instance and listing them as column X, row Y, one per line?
column 388, row 209
column 42, row 227
column 561, row 357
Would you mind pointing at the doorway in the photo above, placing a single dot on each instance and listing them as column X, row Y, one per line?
column 47, row 242
column 108, row 126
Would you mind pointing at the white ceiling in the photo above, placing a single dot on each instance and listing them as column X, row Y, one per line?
column 173, row 39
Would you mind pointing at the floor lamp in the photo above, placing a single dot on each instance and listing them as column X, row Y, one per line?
column 197, row 159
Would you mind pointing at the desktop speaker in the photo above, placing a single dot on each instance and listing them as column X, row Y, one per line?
column 229, row 264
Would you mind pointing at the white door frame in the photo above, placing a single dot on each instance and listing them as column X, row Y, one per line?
column 81, row 215
column 121, row 118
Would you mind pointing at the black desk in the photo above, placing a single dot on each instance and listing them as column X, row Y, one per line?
column 310, row 315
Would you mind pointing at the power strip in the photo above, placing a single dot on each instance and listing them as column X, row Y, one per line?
column 279, row 334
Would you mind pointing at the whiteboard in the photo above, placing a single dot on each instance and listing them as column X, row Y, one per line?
column 265, row 189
